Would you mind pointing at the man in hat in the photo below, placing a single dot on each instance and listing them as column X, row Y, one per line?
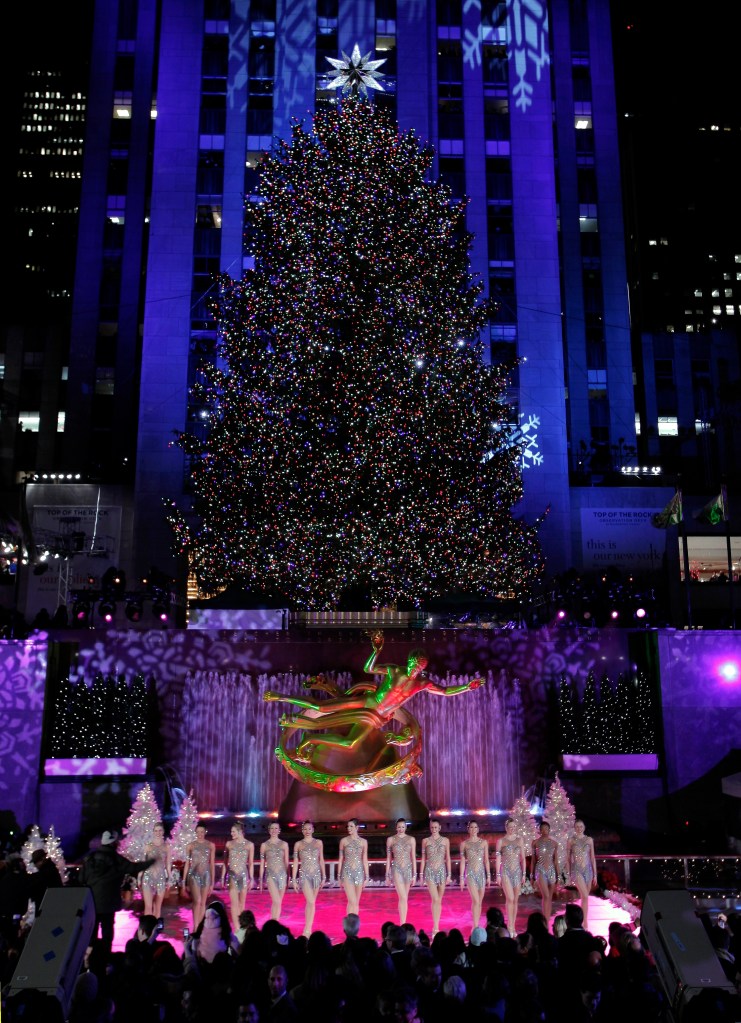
column 103, row 871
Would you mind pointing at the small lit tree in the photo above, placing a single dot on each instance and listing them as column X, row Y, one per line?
column 560, row 814
column 139, row 830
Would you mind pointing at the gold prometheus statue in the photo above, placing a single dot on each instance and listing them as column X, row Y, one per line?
column 352, row 746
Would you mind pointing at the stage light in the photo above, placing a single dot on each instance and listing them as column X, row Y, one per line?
column 614, row 615
column 640, row 612
column 729, row 671
column 82, row 612
column 561, row 615
column 134, row 609
column 107, row 610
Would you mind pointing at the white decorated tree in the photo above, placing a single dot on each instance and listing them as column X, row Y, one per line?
column 184, row 829
column 34, row 841
column 525, row 828
column 139, row 830
column 560, row 814
column 53, row 848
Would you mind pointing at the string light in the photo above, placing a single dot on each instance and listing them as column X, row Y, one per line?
column 339, row 442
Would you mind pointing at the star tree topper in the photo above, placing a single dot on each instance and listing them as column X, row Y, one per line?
column 355, row 74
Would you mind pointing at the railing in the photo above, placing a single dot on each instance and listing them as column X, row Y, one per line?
column 695, row 873
column 704, row 876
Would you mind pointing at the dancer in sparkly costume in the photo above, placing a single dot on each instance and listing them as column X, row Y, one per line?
column 401, row 865
column 475, row 869
column 240, row 866
column 435, row 870
column 156, row 879
column 545, row 867
column 274, row 869
column 510, row 858
column 581, row 865
column 352, row 868
column 308, row 871
column 200, row 867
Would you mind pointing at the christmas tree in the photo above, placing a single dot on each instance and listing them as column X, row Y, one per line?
column 567, row 712
column 645, row 735
column 354, row 441
column 54, row 851
column 34, row 841
column 184, row 829
column 560, row 814
column 139, row 830
column 591, row 722
column 525, row 825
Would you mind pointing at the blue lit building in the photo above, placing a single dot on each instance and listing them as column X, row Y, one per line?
column 519, row 103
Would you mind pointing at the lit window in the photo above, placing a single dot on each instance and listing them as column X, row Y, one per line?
column 582, row 123
column 638, row 425
column 65, row 373
column 703, row 426
column 652, row 241
column 730, row 310
column 728, row 293
column 2, row 367
column 663, row 241
column 698, row 293
column 668, row 426
column 104, row 380
column 716, row 310
column 29, row 421
column 61, row 417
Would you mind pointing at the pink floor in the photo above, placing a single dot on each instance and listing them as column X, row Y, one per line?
column 378, row 904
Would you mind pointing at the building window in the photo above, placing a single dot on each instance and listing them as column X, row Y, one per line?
column 668, row 426
column 104, row 380
column 61, row 419
column 29, row 421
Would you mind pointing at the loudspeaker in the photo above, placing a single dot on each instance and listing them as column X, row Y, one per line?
column 685, row 958
column 52, row 956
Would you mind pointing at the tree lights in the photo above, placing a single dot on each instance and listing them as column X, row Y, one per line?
column 349, row 446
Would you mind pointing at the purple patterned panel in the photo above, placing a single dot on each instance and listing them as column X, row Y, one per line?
column 22, row 680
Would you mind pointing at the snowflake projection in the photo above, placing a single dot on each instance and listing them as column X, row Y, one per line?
column 529, row 45
column 523, row 435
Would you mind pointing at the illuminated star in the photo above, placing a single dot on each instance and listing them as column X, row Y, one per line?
column 355, row 74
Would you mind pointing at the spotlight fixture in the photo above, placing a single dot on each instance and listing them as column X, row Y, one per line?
column 81, row 611
column 561, row 615
column 640, row 612
column 134, row 609
column 614, row 615
column 161, row 609
column 107, row 609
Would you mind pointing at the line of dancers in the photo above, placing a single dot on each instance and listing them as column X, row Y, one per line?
column 307, row 870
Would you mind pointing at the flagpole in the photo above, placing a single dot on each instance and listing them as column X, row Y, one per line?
column 687, row 581
column 727, row 518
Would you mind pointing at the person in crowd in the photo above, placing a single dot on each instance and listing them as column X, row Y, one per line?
column 248, row 1012
column 274, row 868
column 309, row 871
column 240, row 868
column 581, row 865
column 200, row 871
column 213, row 935
column 102, row 871
column 475, row 869
column 352, row 867
column 282, row 1007
column 247, row 925
column 511, row 865
column 435, row 870
column 156, row 878
column 46, row 876
column 401, row 865
column 545, row 866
